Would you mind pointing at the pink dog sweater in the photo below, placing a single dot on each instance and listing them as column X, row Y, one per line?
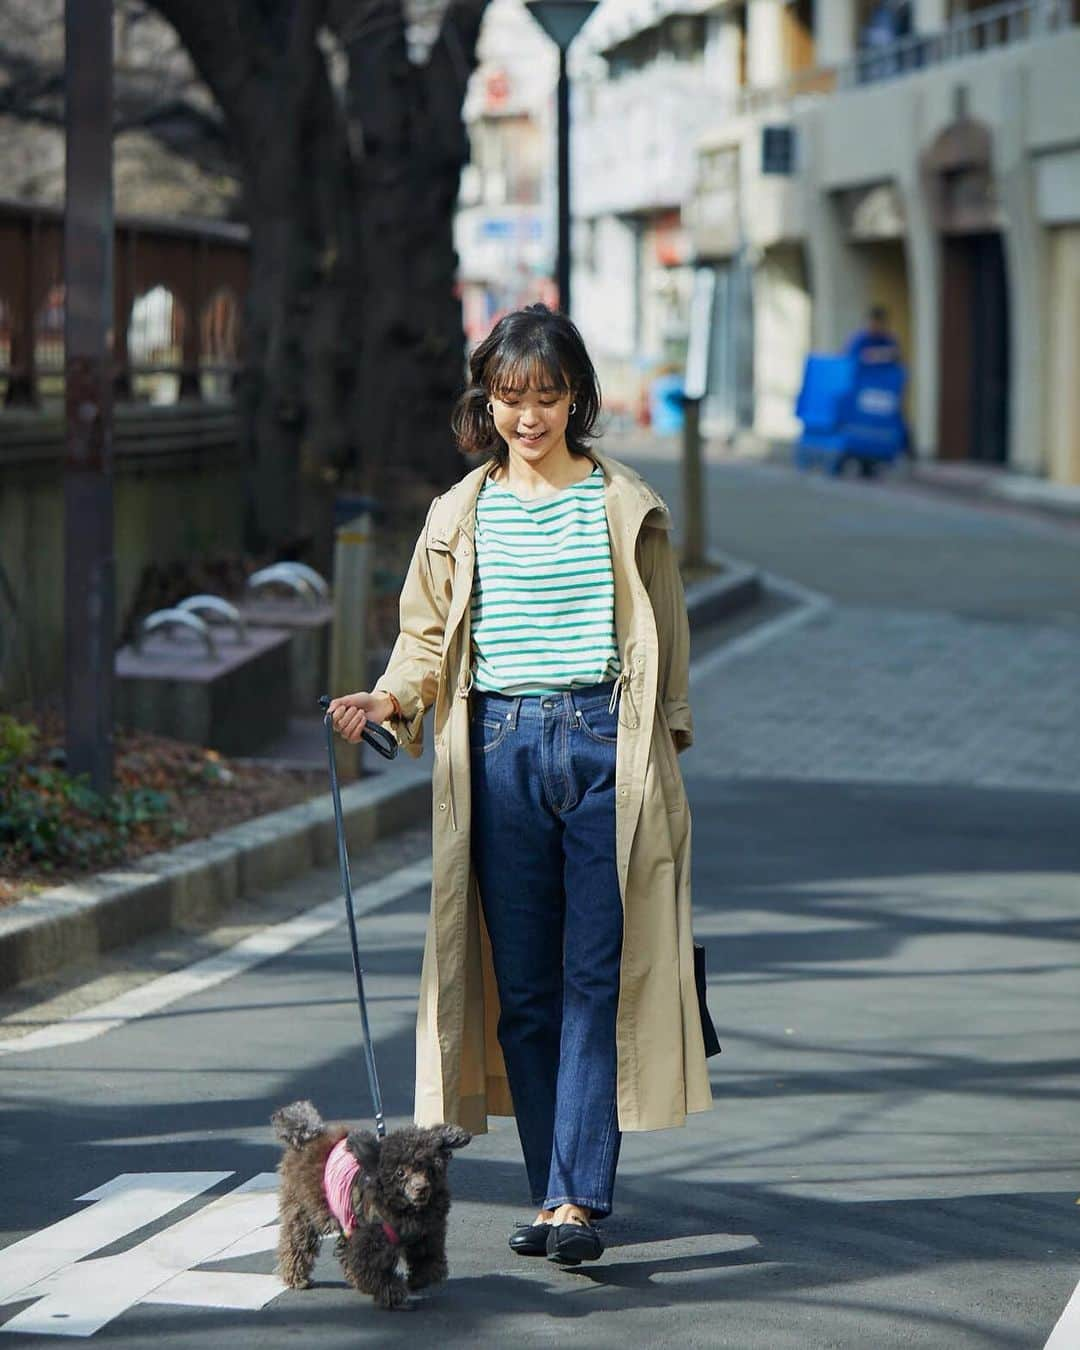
column 338, row 1176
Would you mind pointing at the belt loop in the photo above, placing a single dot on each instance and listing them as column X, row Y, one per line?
column 513, row 714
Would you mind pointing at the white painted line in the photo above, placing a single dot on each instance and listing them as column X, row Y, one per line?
column 81, row 1298
column 1066, row 1333
column 127, row 1202
column 250, row 951
column 218, row 1289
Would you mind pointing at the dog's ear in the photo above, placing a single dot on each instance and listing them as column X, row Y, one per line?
column 364, row 1147
column 450, row 1136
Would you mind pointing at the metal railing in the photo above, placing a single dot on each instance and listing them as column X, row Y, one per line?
column 987, row 30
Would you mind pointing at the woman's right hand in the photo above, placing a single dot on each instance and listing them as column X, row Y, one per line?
column 352, row 712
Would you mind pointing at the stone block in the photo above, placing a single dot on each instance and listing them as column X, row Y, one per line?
column 236, row 700
column 309, row 627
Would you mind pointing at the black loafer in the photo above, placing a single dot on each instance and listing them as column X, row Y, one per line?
column 530, row 1239
column 569, row 1244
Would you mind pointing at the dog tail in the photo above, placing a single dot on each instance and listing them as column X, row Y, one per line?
column 297, row 1125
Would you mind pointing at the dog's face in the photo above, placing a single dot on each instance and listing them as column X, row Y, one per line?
column 408, row 1167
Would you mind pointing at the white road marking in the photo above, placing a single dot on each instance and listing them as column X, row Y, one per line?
column 251, row 951
column 79, row 1297
column 127, row 1202
column 1066, row 1332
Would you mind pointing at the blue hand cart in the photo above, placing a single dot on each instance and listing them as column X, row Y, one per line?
column 852, row 414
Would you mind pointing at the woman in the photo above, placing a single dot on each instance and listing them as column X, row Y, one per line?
column 543, row 616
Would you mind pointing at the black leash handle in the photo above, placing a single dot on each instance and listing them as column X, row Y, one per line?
column 346, row 886
column 376, row 736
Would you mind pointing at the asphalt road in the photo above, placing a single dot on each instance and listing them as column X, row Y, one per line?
column 892, row 916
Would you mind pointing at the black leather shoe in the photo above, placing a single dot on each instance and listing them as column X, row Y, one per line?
column 568, row 1244
column 530, row 1239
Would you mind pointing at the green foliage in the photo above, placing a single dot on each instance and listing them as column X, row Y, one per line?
column 51, row 818
column 17, row 739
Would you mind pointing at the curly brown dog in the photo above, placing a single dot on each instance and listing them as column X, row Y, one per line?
column 387, row 1200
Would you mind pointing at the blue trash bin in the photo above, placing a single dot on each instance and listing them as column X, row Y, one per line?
column 666, row 404
column 852, row 412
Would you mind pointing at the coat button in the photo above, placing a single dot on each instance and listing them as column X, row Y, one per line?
column 442, row 806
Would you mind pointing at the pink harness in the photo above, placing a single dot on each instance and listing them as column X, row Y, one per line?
column 338, row 1176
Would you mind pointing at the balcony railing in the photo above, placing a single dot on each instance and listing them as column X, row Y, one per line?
column 988, row 30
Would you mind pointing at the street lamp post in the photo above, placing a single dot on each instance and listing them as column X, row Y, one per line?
column 562, row 20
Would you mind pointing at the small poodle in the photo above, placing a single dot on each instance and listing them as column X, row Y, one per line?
column 387, row 1199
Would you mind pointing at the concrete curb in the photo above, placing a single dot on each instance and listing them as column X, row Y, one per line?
column 194, row 882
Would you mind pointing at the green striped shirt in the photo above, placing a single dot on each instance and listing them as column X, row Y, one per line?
column 543, row 601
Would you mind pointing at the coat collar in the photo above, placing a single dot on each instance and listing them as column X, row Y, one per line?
column 629, row 500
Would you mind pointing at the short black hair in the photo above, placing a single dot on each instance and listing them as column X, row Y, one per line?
column 536, row 347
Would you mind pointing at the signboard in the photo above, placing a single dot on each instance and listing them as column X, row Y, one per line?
column 696, row 379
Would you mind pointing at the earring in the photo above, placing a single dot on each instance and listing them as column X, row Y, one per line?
column 491, row 410
column 573, row 409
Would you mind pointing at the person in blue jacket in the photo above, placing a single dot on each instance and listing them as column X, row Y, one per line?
column 874, row 344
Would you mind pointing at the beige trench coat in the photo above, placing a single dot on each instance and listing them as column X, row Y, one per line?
column 460, row 1075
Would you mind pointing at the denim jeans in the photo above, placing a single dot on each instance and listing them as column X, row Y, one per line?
column 543, row 847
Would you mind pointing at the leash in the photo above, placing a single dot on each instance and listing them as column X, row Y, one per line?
column 385, row 744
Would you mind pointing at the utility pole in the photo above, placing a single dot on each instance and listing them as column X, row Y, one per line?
column 89, row 565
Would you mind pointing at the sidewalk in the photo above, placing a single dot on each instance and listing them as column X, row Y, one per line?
column 979, row 484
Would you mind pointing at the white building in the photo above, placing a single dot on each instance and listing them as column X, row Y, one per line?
column 505, row 226
column 824, row 155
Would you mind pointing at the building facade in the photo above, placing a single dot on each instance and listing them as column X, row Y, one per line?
column 920, row 156
column 504, row 230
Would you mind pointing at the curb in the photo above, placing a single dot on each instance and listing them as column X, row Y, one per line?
column 718, row 598
column 194, row 882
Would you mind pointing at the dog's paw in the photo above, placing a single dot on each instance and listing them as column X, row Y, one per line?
column 392, row 1296
column 425, row 1276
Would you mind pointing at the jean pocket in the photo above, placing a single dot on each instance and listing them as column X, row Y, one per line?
column 599, row 724
column 485, row 733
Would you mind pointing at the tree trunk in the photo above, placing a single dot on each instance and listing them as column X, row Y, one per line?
column 409, row 141
column 354, row 344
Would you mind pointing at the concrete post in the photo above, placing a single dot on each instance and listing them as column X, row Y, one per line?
column 353, row 565
column 1026, row 269
column 834, row 32
column 930, row 16
column 766, row 60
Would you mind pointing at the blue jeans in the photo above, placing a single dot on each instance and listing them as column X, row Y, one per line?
column 543, row 847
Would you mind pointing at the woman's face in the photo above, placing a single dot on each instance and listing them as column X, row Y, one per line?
column 532, row 421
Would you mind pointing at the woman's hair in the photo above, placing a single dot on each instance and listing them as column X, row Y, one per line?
column 530, row 348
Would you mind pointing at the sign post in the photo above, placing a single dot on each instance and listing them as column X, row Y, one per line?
column 695, row 386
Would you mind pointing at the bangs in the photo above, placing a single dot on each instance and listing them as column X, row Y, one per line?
column 512, row 372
